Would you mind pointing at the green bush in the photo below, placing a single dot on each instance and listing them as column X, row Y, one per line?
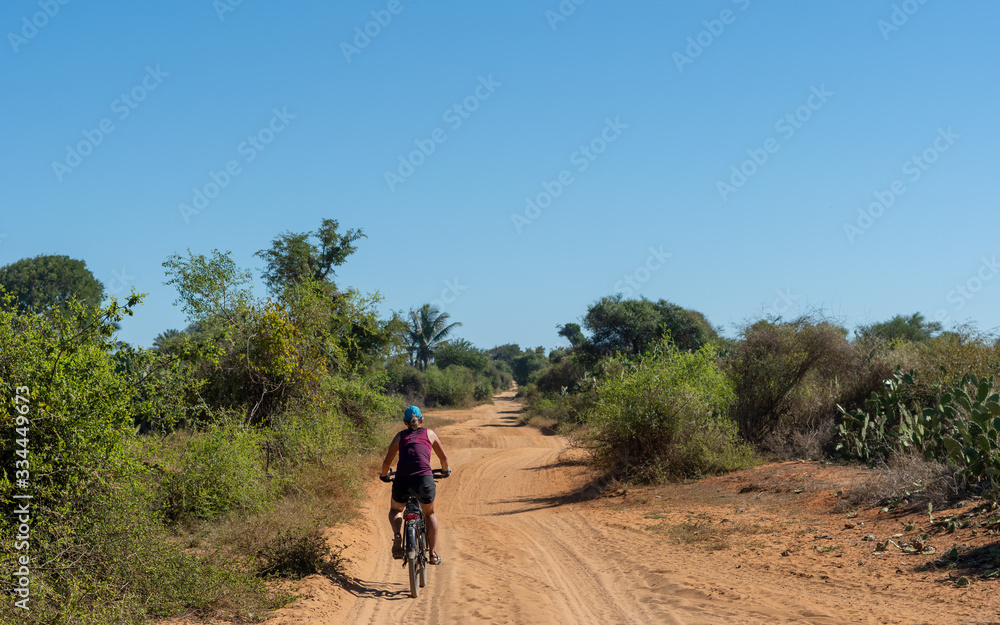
column 527, row 366
column 666, row 417
column 562, row 376
column 464, row 354
column 483, row 390
column 98, row 549
column 454, row 386
column 360, row 400
column 216, row 472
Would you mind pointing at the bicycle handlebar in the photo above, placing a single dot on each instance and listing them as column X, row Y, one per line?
column 438, row 474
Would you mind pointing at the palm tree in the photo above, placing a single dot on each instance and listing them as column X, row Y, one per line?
column 164, row 339
column 428, row 328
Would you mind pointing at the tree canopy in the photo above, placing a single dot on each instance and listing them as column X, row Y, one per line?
column 48, row 283
column 635, row 325
column 293, row 258
column 428, row 328
column 913, row 328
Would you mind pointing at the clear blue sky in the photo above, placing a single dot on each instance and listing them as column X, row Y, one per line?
column 866, row 96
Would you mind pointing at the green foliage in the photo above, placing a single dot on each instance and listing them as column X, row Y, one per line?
column 505, row 353
column 665, row 417
column 527, row 365
column 454, row 386
column 103, row 553
column 572, row 333
column 633, row 326
column 564, row 376
column 216, row 472
column 483, row 390
column 209, row 288
column 464, row 354
column 961, row 427
column 913, row 328
column 294, row 259
column 48, row 283
column 427, row 330
column 359, row 400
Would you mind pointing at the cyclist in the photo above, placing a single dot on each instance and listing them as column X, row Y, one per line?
column 414, row 478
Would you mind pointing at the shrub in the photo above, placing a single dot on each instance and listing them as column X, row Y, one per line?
column 215, row 472
column 665, row 417
column 360, row 401
column 907, row 477
column 563, row 376
column 527, row 365
column 789, row 378
column 483, row 390
column 453, row 386
column 463, row 354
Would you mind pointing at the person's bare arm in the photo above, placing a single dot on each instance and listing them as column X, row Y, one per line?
column 438, row 449
column 390, row 456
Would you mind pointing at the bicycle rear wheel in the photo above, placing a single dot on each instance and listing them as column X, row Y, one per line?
column 422, row 572
column 412, row 560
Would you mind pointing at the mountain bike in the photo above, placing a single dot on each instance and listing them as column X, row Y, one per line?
column 415, row 550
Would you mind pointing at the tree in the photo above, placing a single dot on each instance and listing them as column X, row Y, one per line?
column 464, row 354
column 689, row 329
column 294, row 259
column 506, row 353
column 633, row 326
column 527, row 364
column 208, row 287
column 572, row 333
column 913, row 328
column 48, row 283
column 428, row 328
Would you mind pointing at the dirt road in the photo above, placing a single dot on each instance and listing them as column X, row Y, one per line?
column 518, row 549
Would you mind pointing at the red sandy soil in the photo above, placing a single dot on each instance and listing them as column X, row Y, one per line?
column 525, row 540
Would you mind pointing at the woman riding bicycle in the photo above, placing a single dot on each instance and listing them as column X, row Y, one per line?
column 414, row 478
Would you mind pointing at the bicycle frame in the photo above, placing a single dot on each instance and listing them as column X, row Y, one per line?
column 414, row 533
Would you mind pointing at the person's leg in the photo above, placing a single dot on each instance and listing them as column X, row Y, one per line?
column 431, row 521
column 396, row 522
column 396, row 516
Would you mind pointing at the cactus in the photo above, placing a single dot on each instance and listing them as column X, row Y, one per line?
column 963, row 427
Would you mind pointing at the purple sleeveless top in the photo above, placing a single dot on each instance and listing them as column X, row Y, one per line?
column 414, row 453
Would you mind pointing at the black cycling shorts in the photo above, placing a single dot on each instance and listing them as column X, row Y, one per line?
column 420, row 486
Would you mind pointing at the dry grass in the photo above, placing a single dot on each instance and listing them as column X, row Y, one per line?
column 908, row 480
column 703, row 531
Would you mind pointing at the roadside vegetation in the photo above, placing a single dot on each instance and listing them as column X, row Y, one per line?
column 179, row 480
column 656, row 394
